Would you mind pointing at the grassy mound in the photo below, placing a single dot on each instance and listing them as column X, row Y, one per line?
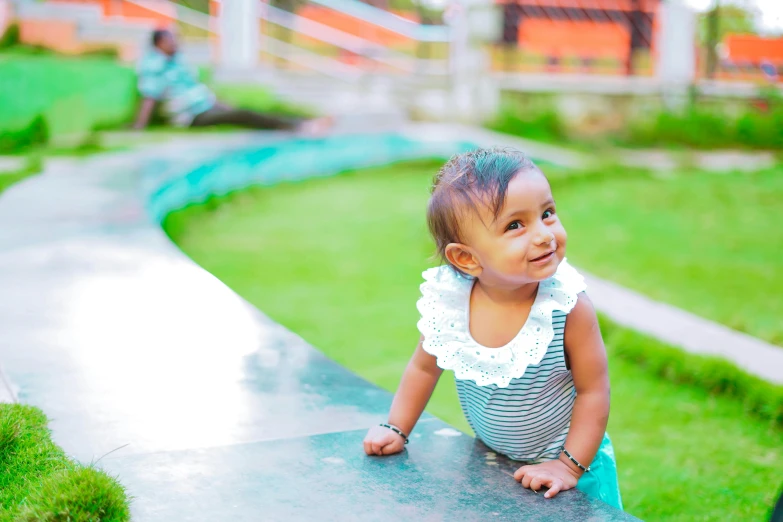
column 40, row 483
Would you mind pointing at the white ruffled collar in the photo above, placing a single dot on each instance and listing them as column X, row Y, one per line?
column 444, row 307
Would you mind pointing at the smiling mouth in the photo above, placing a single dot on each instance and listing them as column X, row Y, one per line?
column 545, row 257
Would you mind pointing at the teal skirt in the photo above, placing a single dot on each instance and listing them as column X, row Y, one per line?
column 601, row 481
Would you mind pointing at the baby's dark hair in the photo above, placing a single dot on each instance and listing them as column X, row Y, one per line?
column 466, row 181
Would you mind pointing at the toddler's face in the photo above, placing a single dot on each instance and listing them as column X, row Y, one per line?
column 526, row 242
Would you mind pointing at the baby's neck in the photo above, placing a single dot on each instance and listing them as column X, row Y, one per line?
column 507, row 295
column 498, row 313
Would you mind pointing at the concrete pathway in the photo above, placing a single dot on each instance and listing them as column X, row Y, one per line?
column 710, row 161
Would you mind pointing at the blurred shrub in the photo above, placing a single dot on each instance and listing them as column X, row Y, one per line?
column 702, row 128
column 45, row 97
column 759, row 125
column 542, row 124
column 36, row 133
column 10, row 37
column 695, row 127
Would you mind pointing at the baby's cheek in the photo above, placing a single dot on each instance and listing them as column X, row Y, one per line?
column 561, row 237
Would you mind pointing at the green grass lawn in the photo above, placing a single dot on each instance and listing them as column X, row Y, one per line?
column 40, row 483
column 339, row 261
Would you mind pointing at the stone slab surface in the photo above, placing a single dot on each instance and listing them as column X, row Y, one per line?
column 441, row 477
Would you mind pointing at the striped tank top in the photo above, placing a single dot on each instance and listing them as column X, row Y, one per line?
column 529, row 419
column 517, row 398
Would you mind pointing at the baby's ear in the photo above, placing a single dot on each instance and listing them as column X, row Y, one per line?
column 462, row 257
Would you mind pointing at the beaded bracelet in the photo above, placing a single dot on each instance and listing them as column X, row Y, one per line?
column 572, row 459
column 396, row 430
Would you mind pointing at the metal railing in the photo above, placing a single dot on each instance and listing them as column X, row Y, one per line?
column 289, row 40
column 389, row 21
column 372, row 55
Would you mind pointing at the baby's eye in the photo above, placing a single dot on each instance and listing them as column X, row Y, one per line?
column 548, row 213
column 514, row 225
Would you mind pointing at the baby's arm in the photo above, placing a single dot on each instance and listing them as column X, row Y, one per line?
column 416, row 387
column 587, row 357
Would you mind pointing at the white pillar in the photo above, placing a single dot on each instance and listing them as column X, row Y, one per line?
column 460, row 65
column 456, row 17
column 239, row 26
column 474, row 94
column 676, row 65
column 5, row 16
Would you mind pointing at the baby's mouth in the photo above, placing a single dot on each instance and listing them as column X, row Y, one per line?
column 544, row 257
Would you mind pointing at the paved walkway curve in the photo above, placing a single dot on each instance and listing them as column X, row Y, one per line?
column 204, row 408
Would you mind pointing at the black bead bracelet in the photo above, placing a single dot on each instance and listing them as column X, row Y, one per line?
column 572, row 459
column 396, row 430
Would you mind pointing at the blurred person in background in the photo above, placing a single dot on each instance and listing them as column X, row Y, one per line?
column 164, row 78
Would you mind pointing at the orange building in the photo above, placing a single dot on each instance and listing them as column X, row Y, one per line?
column 584, row 29
column 753, row 49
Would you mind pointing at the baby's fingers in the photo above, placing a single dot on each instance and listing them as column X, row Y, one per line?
column 384, row 445
column 527, row 480
column 520, row 473
column 377, row 447
column 555, row 488
column 392, row 447
column 368, row 447
column 537, row 482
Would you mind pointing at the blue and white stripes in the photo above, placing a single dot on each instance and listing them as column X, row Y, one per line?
column 529, row 419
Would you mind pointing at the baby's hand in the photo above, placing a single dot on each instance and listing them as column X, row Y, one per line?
column 383, row 441
column 554, row 474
